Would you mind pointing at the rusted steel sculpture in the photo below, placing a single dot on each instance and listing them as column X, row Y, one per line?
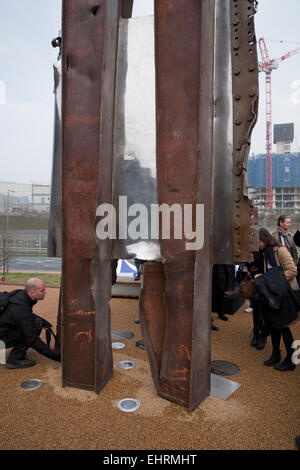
column 175, row 300
column 90, row 30
column 178, row 337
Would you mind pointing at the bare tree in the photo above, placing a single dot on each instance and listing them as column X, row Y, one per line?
column 5, row 253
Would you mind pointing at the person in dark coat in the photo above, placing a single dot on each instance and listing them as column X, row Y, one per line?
column 20, row 328
column 274, row 255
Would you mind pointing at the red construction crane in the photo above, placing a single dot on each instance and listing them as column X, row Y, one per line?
column 268, row 65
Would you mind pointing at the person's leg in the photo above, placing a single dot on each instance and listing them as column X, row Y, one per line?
column 255, row 331
column 275, row 357
column 262, row 337
column 17, row 357
column 220, row 304
column 288, row 340
column 213, row 326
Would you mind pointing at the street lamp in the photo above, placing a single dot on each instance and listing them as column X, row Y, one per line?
column 8, row 205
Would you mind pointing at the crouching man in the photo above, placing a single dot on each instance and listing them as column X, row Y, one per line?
column 20, row 328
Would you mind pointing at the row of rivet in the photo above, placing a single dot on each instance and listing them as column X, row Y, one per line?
column 238, row 122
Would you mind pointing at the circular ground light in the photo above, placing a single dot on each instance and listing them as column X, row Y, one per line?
column 140, row 344
column 32, row 384
column 115, row 335
column 128, row 405
column 224, row 368
column 118, row 345
column 126, row 364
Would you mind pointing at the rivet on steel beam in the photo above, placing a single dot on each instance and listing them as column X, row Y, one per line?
column 251, row 68
column 237, row 72
column 238, row 148
column 252, row 94
column 238, row 122
column 237, row 226
column 236, row 46
column 235, row 22
column 237, row 253
column 237, row 198
column 237, row 97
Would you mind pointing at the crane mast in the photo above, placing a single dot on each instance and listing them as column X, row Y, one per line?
column 267, row 66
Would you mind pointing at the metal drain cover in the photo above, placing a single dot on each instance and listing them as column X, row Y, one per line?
column 224, row 368
column 32, row 384
column 128, row 405
column 115, row 335
column 140, row 344
column 126, row 364
column 118, row 345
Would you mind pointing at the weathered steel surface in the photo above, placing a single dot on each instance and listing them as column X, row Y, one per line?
column 245, row 108
column 134, row 162
column 101, row 277
column 184, row 39
column 126, row 8
column 223, row 138
column 54, row 229
column 86, row 348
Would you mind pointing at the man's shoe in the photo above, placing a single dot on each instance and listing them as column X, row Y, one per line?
column 222, row 317
column 286, row 365
column 274, row 359
column 249, row 310
column 20, row 364
column 214, row 327
column 297, row 442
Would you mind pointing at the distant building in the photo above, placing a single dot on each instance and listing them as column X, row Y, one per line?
column 285, row 181
column 41, row 197
column 20, row 197
column 283, row 137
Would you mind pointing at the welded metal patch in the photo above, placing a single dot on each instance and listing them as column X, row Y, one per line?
column 223, row 139
column 126, row 364
column 54, row 228
column 31, row 384
column 128, row 405
column 121, row 334
column 222, row 388
column 224, row 368
column 134, row 166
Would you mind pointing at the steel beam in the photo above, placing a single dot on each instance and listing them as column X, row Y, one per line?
column 180, row 354
column 90, row 31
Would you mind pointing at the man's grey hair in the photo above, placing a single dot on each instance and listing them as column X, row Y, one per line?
column 32, row 283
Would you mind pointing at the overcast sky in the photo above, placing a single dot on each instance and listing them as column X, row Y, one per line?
column 26, row 80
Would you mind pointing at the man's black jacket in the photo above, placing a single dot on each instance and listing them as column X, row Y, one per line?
column 19, row 316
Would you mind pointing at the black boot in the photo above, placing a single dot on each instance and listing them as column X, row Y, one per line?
column 214, row 327
column 286, row 365
column 222, row 317
column 288, row 339
column 253, row 342
column 274, row 359
column 297, row 442
column 261, row 341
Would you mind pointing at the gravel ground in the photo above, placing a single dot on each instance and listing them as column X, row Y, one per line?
column 264, row 413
